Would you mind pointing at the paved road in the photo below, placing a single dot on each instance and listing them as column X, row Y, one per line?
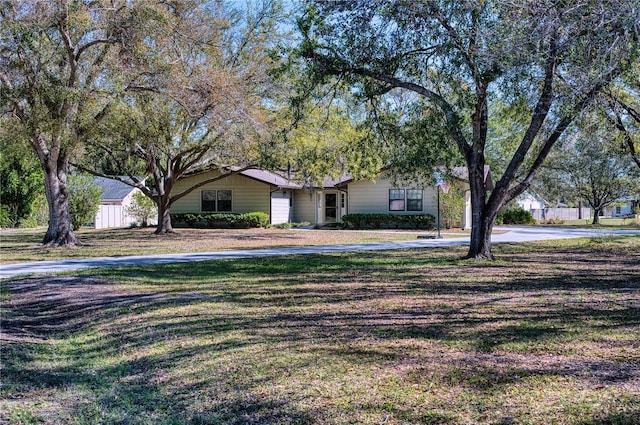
column 513, row 234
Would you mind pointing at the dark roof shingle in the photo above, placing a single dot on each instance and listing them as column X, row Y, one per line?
column 114, row 190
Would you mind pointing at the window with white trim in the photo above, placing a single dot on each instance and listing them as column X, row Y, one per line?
column 414, row 200
column 216, row 200
column 405, row 200
column 396, row 199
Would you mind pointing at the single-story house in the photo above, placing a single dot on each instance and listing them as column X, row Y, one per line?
column 625, row 207
column 116, row 197
column 289, row 201
column 530, row 201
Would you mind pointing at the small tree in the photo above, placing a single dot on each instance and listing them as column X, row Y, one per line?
column 84, row 199
column 591, row 171
column 21, row 176
column 143, row 209
column 452, row 206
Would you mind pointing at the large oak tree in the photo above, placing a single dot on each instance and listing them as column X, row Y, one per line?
column 52, row 86
column 197, row 99
column 461, row 58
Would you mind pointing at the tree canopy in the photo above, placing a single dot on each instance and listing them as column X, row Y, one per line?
column 464, row 58
column 158, row 89
column 201, row 103
column 53, row 80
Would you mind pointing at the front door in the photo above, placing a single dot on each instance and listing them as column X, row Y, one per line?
column 330, row 207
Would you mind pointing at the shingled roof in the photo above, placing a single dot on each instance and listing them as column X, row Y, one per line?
column 114, row 190
column 270, row 178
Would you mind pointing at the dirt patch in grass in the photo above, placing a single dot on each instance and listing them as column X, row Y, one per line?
column 395, row 337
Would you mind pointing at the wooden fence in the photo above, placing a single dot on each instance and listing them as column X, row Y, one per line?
column 561, row 214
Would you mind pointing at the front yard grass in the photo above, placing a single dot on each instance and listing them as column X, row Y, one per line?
column 605, row 223
column 547, row 334
column 24, row 245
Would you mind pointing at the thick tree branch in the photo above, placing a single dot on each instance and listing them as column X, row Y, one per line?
column 558, row 131
column 338, row 66
column 628, row 141
column 538, row 118
column 209, row 180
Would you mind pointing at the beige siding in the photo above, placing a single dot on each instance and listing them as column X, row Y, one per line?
column 368, row 197
column 248, row 195
column 304, row 206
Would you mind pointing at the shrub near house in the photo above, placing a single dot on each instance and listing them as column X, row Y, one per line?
column 515, row 216
column 221, row 221
column 143, row 209
column 392, row 221
column 84, row 199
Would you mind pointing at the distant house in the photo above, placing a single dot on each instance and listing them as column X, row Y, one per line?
column 542, row 211
column 529, row 201
column 116, row 197
column 625, row 207
column 289, row 201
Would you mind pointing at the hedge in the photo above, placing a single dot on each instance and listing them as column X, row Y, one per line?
column 219, row 220
column 515, row 216
column 393, row 221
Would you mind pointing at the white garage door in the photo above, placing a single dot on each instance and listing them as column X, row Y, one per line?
column 280, row 209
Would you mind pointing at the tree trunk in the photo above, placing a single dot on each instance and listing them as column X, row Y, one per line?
column 596, row 215
column 480, row 243
column 482, row 216
column 579, row 210
column 164, row 215
column 480, row 246
column 60, row 231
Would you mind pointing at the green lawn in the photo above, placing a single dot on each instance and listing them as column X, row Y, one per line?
column 24, row 245
column 618, row 223
column 547, row 334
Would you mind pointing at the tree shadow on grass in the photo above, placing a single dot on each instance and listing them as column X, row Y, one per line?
column 46, row 313
column 216, row 331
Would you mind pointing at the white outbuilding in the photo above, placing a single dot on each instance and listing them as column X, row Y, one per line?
column 116, row 197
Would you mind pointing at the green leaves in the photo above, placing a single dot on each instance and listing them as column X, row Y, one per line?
column 20, row 176
column 221, row 220
column 393, row 221
column 84, row 199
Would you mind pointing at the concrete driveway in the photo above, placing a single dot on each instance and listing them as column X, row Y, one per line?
column 512, row 234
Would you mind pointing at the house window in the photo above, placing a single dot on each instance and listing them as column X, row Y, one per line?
column 414, row 200
column 216, row 200
column 405, row 200
column 208, row 200
column 396, row 199
column 224, row 200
